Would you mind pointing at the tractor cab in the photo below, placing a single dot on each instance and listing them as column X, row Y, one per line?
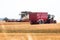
column 50, row 16
column 51, row 19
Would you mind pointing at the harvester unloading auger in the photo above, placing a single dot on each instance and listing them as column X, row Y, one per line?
column 36, row 17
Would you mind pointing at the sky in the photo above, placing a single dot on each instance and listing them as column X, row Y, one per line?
column 12, row 8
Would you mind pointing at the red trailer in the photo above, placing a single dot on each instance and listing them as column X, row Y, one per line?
column 40, row 17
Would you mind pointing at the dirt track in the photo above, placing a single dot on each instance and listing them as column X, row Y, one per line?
column 29, row 36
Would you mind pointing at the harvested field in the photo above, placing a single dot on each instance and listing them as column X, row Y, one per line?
column 29, row 36
column 26, row 27
column 25, row 31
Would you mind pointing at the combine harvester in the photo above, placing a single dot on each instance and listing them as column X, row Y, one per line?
column 35, row 18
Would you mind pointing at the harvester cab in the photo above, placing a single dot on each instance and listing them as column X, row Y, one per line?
column 24, row 16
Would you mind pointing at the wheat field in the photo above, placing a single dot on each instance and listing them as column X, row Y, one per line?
column 26, row 31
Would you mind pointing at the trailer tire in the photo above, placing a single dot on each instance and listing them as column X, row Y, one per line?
column 41, row 22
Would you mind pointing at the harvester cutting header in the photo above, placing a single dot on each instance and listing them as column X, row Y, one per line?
column 36, row 17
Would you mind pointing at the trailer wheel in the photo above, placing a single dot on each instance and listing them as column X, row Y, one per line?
column 41, row 22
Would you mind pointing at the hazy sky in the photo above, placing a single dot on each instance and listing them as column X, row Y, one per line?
column 12, row 8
